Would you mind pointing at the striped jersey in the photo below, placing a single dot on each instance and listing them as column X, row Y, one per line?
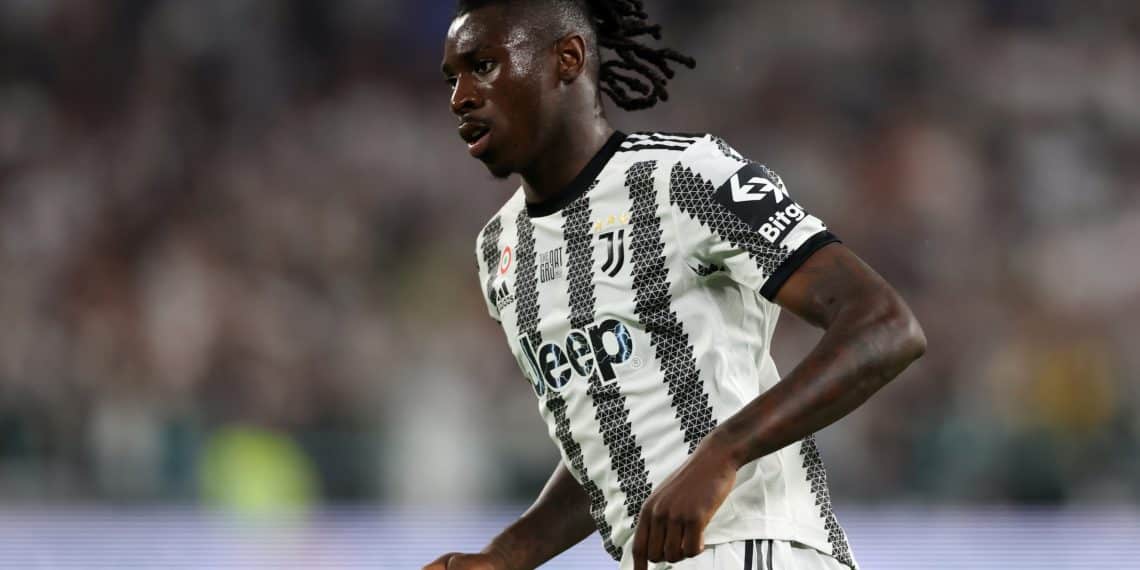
column 639, row 306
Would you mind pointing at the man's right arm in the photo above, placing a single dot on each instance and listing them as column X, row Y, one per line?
column 558, row 519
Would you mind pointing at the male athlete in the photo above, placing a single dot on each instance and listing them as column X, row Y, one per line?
column 638, row 279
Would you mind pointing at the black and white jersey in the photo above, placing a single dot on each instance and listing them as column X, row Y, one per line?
column 639, row 307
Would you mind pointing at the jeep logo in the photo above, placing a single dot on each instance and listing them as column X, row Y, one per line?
column 583, row 353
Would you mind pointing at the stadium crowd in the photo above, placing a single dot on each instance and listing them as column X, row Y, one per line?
column 256, row 214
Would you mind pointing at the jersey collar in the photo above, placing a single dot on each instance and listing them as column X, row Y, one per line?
column 581, row 182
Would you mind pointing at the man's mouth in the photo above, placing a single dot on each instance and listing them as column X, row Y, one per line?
column 476, row 135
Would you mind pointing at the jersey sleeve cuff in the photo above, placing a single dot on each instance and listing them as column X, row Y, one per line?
column 789, row 266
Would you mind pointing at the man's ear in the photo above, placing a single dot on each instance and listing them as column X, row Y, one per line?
column 571, row 57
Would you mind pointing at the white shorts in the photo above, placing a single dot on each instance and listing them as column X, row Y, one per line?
column 752, row 555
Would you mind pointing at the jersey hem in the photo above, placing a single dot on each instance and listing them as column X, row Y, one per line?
column 756, row 528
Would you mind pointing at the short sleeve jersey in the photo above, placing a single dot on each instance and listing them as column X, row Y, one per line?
column 639, row 306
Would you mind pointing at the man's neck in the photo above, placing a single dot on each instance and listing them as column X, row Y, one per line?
column 559, row 164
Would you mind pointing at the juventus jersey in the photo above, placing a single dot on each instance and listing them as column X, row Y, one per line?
column 639, row 307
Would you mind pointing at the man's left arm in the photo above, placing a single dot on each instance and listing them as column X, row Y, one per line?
column 870, row 337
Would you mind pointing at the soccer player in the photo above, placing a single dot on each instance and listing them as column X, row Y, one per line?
column 638, row 279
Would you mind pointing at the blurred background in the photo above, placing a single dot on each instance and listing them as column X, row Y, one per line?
column 237, row 268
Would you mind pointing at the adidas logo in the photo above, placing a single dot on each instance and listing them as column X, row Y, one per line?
column 501, row 296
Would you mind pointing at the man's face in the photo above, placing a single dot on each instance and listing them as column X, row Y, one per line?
column 498, row 81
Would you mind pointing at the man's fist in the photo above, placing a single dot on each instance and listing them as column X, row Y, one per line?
column 673, row 519
column 457, row 561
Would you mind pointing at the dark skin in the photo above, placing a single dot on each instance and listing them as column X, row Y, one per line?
column 557, row 520
column 542, row 103
column 870, row 336
column 538, row 98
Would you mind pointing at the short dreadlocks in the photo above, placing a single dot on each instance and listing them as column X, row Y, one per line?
column 636, row 79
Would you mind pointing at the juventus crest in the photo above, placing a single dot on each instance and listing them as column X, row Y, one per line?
column 615, row 245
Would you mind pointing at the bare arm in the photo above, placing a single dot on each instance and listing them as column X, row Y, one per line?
column 870, row 337
column 558, row 519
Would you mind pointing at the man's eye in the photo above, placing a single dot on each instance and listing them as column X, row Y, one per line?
column 450, row 82
column 485, row 66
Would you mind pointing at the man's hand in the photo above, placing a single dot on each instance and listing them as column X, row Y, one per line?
column 457, row 561
column 672, row 523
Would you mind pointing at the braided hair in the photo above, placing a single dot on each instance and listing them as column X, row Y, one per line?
column 618, row 22
column 637, row 78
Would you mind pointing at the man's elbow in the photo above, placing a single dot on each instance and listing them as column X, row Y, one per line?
column 893, row 331
column 907, row 337
column 914, row 342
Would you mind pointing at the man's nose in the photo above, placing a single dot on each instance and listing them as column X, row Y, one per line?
column 465, row 96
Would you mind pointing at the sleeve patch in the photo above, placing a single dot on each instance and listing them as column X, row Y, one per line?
column 758, row 197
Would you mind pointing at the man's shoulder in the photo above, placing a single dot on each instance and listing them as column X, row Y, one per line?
column 656, row 143
column 700, row 151
column 698, row 163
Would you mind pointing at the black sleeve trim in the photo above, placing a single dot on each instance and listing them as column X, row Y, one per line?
column 788, row 267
